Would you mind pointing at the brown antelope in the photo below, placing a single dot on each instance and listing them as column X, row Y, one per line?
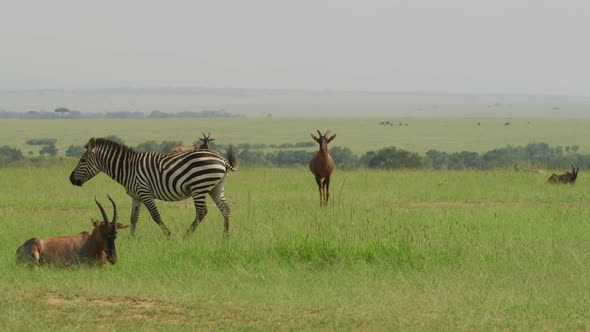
column 568, row 177
column 322, row 165
column 205, row 145
column 97, row 247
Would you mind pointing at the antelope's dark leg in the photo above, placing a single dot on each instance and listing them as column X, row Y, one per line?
column 318, row 180
column 148, row 201
column 327, row 192
column 135, row 207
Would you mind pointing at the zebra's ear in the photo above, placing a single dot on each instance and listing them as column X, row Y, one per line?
column 91, row 145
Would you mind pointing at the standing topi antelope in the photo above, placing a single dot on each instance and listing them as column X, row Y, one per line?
column 97, row 247
column 322, row 165
column 204, row 145
column 568, row 177
column 168, row 177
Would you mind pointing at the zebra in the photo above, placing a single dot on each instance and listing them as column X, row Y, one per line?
column 162, row 176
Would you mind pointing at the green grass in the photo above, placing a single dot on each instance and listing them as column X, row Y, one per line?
column 360, row 135
column 401, row 250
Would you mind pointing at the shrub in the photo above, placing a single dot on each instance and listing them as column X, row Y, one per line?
column 393, row 158
column 75, row 151
column 41, row 141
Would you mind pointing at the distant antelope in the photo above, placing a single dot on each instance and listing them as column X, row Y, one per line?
column 205, row 145
column 568, row 177
column 97, row 247
column 322, row 165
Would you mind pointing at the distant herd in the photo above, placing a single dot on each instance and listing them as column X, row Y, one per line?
column 186, row 171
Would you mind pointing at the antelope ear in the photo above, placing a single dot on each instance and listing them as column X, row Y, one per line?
column 91, row 145
column 211, row 139
column 315, row 138
column 95, row 222
column 331, row 138
column 121, row 226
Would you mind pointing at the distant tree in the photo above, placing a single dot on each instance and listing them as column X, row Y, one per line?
column 344, row 158
column 149, row 146
column 438, row 159
column 253, row 157
column 307, row 144
column 166, row 146
column 49, row 150
column 75, row 151
column 41, row 141
column 366, row 158
column 115, row 138
column 61, row 111
column 158, row 114
column 8, row 154
column 392, row 158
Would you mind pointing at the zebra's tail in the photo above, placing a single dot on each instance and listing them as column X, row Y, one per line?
column 232, row 159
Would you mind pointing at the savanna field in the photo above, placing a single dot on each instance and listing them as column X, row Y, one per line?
column 396, row 250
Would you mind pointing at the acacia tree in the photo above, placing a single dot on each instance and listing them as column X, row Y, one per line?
column 61, row 111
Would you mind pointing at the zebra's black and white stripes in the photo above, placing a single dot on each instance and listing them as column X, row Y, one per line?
column 167, row 177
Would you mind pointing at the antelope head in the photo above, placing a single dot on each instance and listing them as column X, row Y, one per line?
column 206, row 139
column 105, row 232
column 575, row 171
column 323, row 140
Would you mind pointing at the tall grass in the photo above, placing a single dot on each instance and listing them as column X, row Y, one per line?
column 409, row 250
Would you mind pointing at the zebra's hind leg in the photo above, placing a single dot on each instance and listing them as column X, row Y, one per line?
column 219, row 198
column 201, row 208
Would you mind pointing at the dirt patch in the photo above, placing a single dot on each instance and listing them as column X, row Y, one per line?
column 127, row 308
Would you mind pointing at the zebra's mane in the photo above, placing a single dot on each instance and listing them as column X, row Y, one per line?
column 113, row 145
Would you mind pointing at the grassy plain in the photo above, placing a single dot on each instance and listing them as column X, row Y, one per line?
column 360, row 135
column 399, row 250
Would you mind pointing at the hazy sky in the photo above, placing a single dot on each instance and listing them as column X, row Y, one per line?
column 514, row 46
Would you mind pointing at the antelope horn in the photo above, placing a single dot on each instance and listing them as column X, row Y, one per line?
column 319, row 133
column 104, row 214
column 115, row 214
column 204, row 137
column 208, row 135
column 327, row 132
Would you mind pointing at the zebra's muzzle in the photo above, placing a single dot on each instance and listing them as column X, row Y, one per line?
column 74, row 181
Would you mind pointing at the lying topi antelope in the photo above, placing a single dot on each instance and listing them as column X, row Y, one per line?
column 568, row 177
column 91, row 248
column 204, row 145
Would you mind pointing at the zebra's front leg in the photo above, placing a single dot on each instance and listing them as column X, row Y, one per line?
column 201, row 210
column 135, row 208
column 151, row 206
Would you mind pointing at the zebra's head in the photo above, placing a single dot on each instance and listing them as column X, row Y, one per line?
column 87, row 167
